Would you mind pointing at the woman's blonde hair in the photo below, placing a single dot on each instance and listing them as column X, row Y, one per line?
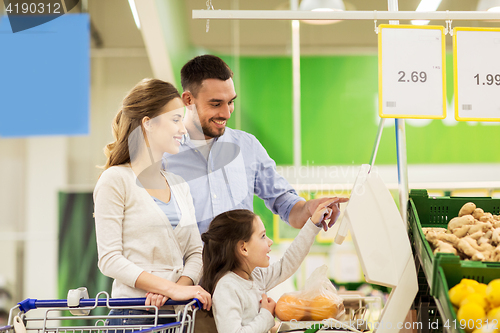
column 146, row 99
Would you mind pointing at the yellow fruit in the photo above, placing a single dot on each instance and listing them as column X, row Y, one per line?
column 471, row 315
column 480, row 288
column 469, row 282
column 475, row 298
column 323, row 307
column 493, row 293
column 493, row 317
column 290, row 307
column 485, row 329
column 459, row 292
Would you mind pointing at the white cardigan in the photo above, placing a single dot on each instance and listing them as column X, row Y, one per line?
column 135, row 235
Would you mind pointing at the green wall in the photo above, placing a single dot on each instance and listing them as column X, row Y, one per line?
column 340, row 115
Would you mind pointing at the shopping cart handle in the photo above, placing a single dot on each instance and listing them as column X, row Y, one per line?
column 31, row 303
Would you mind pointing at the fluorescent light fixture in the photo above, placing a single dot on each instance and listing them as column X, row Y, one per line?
column 489, row 5
column 134, row 13
column 322, row 5
column 426, row 6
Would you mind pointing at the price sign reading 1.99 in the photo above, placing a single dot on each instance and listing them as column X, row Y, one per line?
column 412, row 72
column 476, row 53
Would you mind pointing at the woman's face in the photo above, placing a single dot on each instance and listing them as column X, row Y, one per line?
column 166, row 130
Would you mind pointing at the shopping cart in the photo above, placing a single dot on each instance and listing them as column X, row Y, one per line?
column 54, row 320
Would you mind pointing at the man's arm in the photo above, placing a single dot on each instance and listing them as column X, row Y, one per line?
column 303, row 210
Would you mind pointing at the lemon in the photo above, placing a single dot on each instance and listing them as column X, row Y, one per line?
column 485, row 329
column 475, row 298
column 459, row 292
column 493, row 317
column 494, row 314
column 480, row 288
column 469, row 282
column 471, row 316
column 493, row 293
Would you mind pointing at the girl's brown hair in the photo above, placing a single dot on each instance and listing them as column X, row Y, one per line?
column 146, row 99
column 221, row 240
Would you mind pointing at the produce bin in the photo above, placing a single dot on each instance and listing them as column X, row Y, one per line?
column 450, row 271
column 425, row 211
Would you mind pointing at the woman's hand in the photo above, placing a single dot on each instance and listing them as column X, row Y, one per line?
column 155, row 299
column 159, row 288
column 182, row 293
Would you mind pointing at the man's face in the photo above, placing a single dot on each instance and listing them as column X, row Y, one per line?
column 214, row 104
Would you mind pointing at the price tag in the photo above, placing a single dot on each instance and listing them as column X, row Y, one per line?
column 412, row 72
column 476, row 55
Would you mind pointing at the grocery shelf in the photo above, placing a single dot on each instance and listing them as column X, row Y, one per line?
column 444, row 270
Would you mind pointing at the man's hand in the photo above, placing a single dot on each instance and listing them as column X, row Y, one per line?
column 303, row 210
column 333, row 212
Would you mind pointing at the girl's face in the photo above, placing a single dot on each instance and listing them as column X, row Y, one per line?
column 166, row 130
column 258, row 246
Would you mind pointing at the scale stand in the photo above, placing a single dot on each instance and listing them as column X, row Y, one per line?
column 382, row 244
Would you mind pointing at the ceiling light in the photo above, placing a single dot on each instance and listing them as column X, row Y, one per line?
column 322, row 5
column 426, row 6
column 131, row 3
column 489, row 5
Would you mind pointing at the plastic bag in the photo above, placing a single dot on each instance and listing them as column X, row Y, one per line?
column 318, row 300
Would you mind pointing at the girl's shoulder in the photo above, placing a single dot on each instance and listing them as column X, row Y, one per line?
column 229, row 280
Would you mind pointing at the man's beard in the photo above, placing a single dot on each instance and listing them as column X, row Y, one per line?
column 205, row 129
column 208, row 131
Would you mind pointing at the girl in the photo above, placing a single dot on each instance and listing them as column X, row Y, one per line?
column 236, row 269
column 147, row 236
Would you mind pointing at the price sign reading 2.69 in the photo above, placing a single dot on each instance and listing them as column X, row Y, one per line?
column 476, row 74
column 415, row 77
column 412, row 81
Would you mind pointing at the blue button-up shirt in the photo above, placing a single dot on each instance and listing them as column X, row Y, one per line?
column 238, row 167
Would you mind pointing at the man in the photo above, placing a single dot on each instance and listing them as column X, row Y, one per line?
column 226, row 167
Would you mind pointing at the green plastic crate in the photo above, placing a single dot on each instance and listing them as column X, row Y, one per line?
column 451, row 270
column 425, row 211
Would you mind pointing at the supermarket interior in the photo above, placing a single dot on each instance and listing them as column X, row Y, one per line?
column 309, row 89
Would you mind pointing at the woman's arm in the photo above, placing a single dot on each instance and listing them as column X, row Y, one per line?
column 109, row 199
column 109, row 210
column 185, row 281
column 159, row 286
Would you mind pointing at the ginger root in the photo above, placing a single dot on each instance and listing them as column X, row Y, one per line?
column 467, row 209
column 444, row 247
column 462, row 231
column 480, row 226
column 478, row 212
column 487, row 217
column 495, row 236
column 473, row 235
column 458, row 222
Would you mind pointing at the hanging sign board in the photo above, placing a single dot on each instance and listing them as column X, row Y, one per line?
column 476, row 58
column 412, row 72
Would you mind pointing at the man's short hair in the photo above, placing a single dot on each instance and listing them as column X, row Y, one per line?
column 201, row 68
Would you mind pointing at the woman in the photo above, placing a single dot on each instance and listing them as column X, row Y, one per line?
column 147, row 236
